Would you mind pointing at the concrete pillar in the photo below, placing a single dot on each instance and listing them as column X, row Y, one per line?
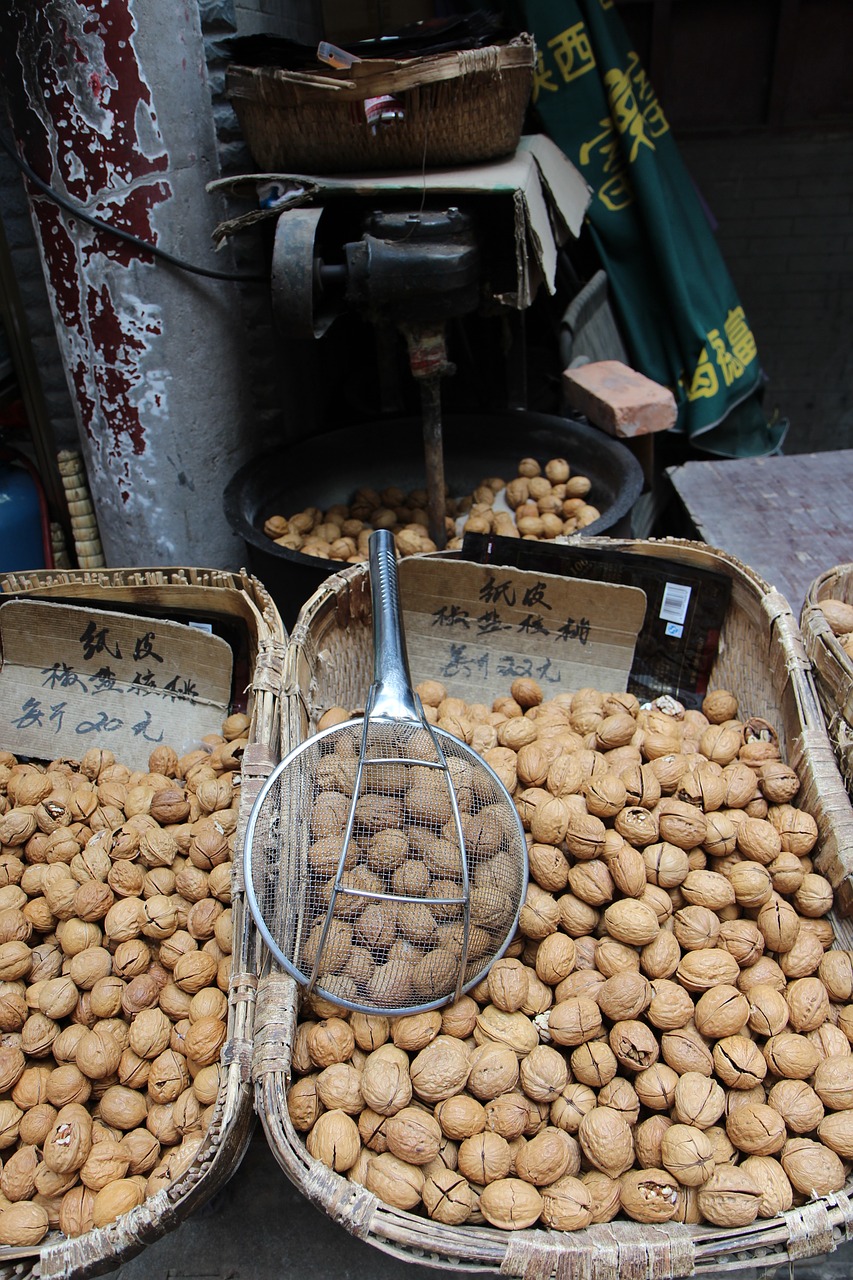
column 110, row 105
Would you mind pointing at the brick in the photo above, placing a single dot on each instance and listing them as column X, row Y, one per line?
column 618, row 399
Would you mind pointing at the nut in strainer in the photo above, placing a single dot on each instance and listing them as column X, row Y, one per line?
column 385, row 861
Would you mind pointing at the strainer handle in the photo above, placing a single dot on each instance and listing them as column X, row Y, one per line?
column 392, row 693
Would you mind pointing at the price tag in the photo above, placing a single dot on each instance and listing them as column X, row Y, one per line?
column 477, row 627
column 74, row 678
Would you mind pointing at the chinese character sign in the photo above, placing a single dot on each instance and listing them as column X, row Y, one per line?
column 678, row 309
column 104, row 679
column 475, row 628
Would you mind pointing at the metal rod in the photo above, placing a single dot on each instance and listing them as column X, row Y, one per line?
column 434, row 458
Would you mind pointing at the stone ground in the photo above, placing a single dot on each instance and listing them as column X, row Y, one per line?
column 260, row 1228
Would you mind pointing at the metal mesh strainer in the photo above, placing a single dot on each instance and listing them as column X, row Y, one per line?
column 385, row 861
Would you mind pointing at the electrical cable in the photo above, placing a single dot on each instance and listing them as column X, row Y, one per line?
column 127, row 236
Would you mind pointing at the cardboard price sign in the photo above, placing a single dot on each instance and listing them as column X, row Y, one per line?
column 74, row 678
column 478, row 627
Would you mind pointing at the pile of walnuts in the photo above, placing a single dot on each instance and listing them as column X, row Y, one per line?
column 667, row 1037
column 115, row 955
column 540, row 502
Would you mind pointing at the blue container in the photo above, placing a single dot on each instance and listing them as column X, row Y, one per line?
column 21, row 545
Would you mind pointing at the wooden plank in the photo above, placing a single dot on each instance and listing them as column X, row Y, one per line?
column 786, row 517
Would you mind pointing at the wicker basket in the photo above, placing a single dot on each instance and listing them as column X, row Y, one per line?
column 833, row 668
column 763, row 661
column 242, row 602
column 460, row 108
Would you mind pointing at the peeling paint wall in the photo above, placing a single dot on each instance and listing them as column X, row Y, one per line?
column 110, row 105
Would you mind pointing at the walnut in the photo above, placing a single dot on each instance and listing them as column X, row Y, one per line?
column 571, row 1106
column 168, row 1077
column 634, row 1045
column 339, row 1088
column 624, row 995
column 757, row 1129
column 648, row 1136
column 670, row 1005
column 494, row 1070
column 730, row 1197
column 707, row 967
column 204, row 1040
column 836, row 1132
column 739, row 1062
column 594, row 1063
column 814, row 896
column 699, row 1100
column 655, row 1087
column 334, row 1140
column 798, row 1104
column 18, row 1179
column 23, row 1224
column 303, row 1103
column 548, row 1155
column 574, row 1020
column 632, row 922
column 791, row 1055
column 604, row 1192
column 98, row 1053
column 413, row 1135
column 512, row 1029
column 68, row 1144
column 107, row 1162
column 660, row 958
column 606, row 1141
column 447, row 1197
column 540, row 914
column 394, row 1181
column 149, row 1033
column 484, row 1157
column 461, row 1116
column 649, row 1195
column 776, row 1190
column 75, row 1213
column 719, row 706
column 813, row 1169
column 808, row 1003
column 116, row 1199
column 833, row 1081
column 440, row 1070
column 330, row 1040
column 681, row 824
column 722, row 1011
column 567, row 1205
column 543, row 1074
column 370, row 1030
column 511, row 1203
column 556, row 957
column 386, row 1085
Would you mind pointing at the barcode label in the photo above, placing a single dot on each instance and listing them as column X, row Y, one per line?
column 674, row 604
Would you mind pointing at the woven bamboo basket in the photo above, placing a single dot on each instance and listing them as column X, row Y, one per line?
column 762, row 660
column 462, row 107
column 243, row 603
column 833, row 668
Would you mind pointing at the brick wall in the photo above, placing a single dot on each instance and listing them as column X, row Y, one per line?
column 783, row 203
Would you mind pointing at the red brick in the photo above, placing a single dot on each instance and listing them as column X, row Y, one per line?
column 619, row 400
